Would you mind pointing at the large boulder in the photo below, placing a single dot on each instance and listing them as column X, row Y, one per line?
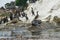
column 56, row 20
column 36, row 22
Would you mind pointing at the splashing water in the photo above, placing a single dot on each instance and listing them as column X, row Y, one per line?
column 44, row 8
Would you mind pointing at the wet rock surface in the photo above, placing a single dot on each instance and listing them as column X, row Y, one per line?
column 46, row 30
column 36, row 22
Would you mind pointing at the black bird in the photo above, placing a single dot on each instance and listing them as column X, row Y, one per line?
column 32, row 11
column 26, row 16
column 23, row 14
column 5, row 20
column 11, row 16
column 0, row 21
column 36, row 16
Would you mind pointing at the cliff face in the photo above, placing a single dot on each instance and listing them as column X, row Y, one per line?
column 44, row 8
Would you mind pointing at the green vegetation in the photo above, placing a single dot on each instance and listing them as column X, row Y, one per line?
column 8, row 4
column 21, row 2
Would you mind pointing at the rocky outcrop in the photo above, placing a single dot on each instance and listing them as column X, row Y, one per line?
column 56, row 19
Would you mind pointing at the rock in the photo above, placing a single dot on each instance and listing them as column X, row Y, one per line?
column 48, row 18
column 34, row 30
column 36, row 22
column 56, row 20
column 0, row 21
column 14, row 21
column 36, row 33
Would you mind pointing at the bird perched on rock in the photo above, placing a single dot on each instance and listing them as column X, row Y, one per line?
column 36, row 16
column 32, row 11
